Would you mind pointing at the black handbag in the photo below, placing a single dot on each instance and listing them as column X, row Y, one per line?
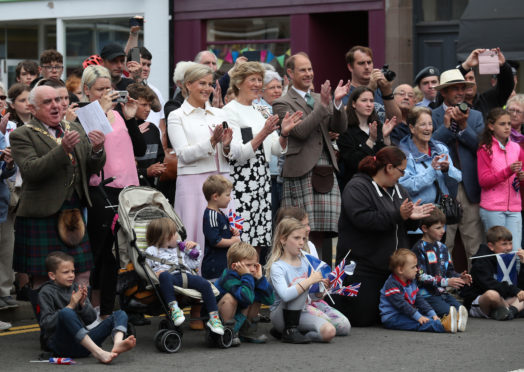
column 450, row 206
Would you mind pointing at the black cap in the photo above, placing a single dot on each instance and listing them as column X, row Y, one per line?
column 111, row 51
column 425, row 72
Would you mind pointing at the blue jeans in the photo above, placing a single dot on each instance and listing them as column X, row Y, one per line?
column 510, row 220
column 442, row 303
column 405, row 323
column 70, row 331
column 168, row 280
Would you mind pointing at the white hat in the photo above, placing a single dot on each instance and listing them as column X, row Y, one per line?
column 452, row 77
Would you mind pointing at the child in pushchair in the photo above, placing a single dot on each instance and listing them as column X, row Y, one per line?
column 173, row 261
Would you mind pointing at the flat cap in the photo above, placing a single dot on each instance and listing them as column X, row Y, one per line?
column 111, row 51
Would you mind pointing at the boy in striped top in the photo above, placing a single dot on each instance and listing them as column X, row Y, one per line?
column 401, row 308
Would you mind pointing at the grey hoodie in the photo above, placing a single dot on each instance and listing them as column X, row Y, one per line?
column 52, row 298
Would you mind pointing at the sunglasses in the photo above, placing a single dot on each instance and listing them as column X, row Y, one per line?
column 3, row 98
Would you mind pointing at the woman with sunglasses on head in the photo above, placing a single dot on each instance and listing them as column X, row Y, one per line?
column 376, row 214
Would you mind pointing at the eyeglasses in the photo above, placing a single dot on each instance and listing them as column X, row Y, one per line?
column 515, row 111
column 402, row 171
column 3, row 98
column 403, row 94
column 53, row 68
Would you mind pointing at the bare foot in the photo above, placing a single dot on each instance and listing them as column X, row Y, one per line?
column 105, row 357
column 124, row 345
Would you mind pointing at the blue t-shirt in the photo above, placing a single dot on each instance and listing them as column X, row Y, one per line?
column 216, row 228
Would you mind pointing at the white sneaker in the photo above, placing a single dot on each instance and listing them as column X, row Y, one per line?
column 462, row 318
column 4, row 326
column 215, row 325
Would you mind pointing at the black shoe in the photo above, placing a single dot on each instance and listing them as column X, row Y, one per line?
column 276, row 334
column 291, row 333
column 501, row 313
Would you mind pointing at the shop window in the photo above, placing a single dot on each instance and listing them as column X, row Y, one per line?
column 88, row 37
column 259, row 39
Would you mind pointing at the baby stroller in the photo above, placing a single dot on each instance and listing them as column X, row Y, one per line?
column 138, row 286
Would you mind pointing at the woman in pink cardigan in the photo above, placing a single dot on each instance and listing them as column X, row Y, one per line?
column 499, row 162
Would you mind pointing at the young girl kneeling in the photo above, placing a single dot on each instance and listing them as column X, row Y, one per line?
column 288, row 272
column 164, row 243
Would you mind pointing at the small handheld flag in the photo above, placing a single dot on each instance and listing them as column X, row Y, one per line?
column 507, row 268
column 235, row 220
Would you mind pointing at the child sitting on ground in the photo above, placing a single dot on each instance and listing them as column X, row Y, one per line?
column 219, row 235
column 436, row 270
column 65, row 310
column 489, row 297
column 170, row 258
column 401, row 308
column 243, row 289
column 288, row 270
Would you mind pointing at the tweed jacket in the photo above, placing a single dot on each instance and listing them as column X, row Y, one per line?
column 47, row 170
column 306, row 139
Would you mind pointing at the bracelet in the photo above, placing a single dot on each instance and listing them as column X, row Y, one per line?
column 300, row 285
column 389, row 97
column 281, row 135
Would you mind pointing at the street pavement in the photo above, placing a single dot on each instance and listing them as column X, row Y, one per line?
column 487, row 345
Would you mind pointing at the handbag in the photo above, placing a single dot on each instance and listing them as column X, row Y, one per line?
column 171, row 162
column 450, row 206
column 323, row 178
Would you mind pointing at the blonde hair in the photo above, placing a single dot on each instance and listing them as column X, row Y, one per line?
column 240, row 251
column 240, row 73
column 159, row 231
column 192, row 74
column 216, row 184
column 90, row 75
column 399, row 258
column 283, row 230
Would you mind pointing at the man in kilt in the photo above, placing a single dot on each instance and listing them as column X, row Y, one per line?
column 308, row 171
column 56, row 159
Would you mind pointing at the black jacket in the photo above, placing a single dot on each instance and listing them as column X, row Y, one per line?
column 370, row 224
column 483, row 271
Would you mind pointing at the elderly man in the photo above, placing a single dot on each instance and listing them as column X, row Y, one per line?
column 405, row 100
column 56, row 160
column 359, row 61
column 493, row 97
column 427, row 80
column 310, row 156
column 460, row 130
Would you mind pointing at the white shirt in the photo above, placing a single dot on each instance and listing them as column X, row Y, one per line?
column 243, row 116
column 190, row 130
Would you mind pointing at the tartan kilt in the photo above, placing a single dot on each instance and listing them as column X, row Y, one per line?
column 323, row 210
column 35, row 238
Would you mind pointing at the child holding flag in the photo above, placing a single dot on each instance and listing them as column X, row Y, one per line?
column 287, row 269
column 496, row 289
column 217, row 231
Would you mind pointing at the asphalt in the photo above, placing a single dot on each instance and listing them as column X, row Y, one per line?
column 487, row 345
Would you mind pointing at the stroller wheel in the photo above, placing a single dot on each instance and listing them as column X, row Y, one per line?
column 226, row 339
column 170, row 341
column 131, row 329
column 158, row 337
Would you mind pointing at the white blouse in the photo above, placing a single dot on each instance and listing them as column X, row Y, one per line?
column 190, row 129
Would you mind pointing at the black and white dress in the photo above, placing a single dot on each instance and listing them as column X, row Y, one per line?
column 252, row 180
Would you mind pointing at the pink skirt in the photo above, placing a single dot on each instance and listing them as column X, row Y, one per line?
column 190, row 205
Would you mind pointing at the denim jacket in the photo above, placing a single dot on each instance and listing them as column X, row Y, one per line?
column 419, row 179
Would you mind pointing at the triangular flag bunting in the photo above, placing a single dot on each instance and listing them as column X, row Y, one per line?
column 228, row 57
column 219, row 63
column 235, row 56
column 270, row 56
column 281, row 59
column 263, row 54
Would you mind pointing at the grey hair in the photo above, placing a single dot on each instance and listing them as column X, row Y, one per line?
column 2, row 88
column 267, row 66
column 518, row 99
column 180, row 70
column 269, row 76
column 32, row 96
column 91, row 74
column 199, row 55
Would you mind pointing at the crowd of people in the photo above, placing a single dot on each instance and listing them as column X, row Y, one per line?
column 394, row 170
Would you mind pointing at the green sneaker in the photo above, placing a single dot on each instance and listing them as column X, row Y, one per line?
column 215, row 325
column 176, row 313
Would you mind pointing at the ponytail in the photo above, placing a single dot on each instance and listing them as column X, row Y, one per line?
column 370, row 165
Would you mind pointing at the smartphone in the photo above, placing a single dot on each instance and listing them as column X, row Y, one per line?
column 82, row 104
column 489, row 63
column 136, row 21
column 224, row 125
column 135, row 54
column 122, row 96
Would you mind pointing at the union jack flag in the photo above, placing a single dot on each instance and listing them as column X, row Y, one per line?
column 335, row 277
column 236, row 221
column 350, row 290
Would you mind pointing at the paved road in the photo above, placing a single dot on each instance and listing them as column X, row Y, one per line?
column 486, row 346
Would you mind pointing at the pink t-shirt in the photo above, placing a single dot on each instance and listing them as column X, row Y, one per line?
column 120, row 158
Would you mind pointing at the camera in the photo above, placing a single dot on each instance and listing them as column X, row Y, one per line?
column 463, row 107
column 388, row 74
column 122, row 96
